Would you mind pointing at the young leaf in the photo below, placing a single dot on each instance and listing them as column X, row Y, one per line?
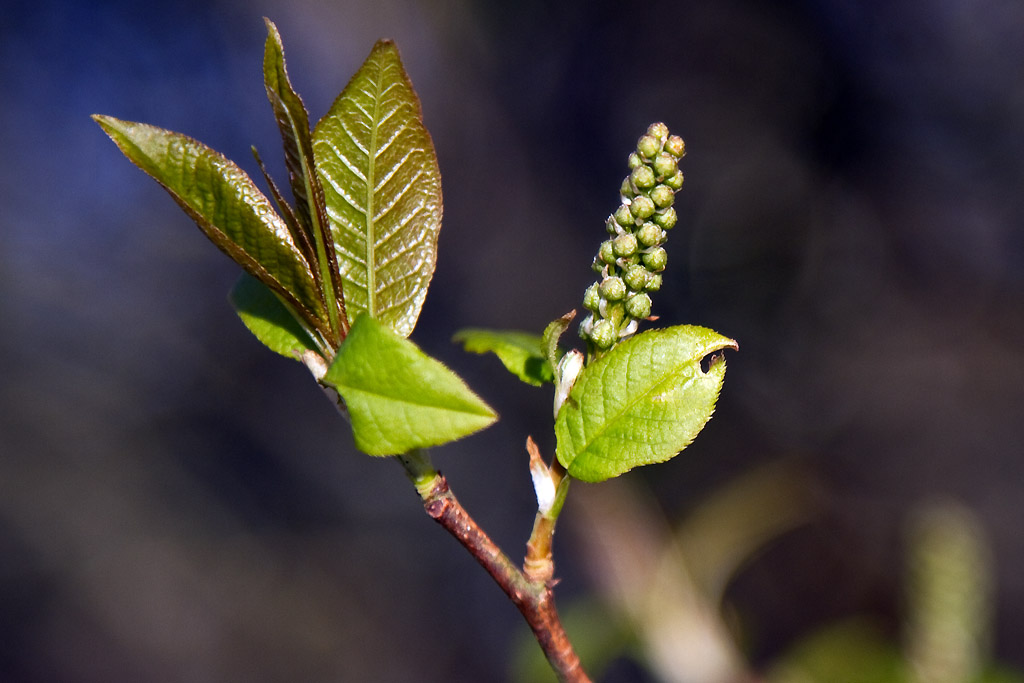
column 310, row 210
column 227, row 207
column 641, row 403
column 519, row 352
column 269, row 319
column 383, row 191
column 549, row 340
column 398, row 397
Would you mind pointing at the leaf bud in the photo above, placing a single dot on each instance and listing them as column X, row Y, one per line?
column 643, row 177
column 665, row 165
column 663, row 196
column 612, row 288
column 639, row 305
column 642, row 207
column 623, row 216
column 607, row 252
column 675, row 181
column 654, row 282
column 624, row 245
column 675, row 146
column 666, row 218
column 649, row 234
column 655, row 259
column 658, row 130
column 592, row 298
column 603, row 334
column 636, row 278
column 647, row 146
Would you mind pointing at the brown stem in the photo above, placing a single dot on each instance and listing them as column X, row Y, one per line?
column 535, row 600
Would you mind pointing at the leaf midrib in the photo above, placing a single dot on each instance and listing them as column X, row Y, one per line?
column 371, row 237
column 463, row 409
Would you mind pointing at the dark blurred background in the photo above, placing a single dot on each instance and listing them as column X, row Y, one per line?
column 179, row 504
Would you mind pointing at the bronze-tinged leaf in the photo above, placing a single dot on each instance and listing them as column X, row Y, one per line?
column 293, row 122
column 383, row 191
column 226, row 205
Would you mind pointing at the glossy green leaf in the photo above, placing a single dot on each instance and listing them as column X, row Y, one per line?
column 269, row 319
column 383, row 191
column 227, row 207
column 398, row 397
column 519, row 352
column 310, row 210
column 641, row 403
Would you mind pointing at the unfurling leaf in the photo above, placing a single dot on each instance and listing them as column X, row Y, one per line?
column 549, row 340
column 398, row 397
column 641, row 403
column 269, row 319
column 313, row 236
column 227, row 207
column 383, row 191
column 519, row 352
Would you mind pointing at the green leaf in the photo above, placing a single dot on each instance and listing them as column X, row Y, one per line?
column 227, row 207
column 519, row 352
column 398, row 397
column 383, row 191
column 641, row 403
column 549, row 340
column 310, row 209
column 269, row 319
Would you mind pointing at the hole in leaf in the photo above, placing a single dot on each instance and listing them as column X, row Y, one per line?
column 711, row 360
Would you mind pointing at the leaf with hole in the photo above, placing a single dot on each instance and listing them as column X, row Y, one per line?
column 641, row 403
column 398, row 397
column 383, row 191
column 226, row 205
column 519, row 352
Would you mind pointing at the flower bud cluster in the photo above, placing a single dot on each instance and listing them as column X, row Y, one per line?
column 630, row 261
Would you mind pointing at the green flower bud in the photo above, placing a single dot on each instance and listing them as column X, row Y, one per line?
column 666, row 218
column 603, row 334
column 655, row 259
column 623, row 216
column 643, row 177
column 634, row 160
column 654, row 283
column 649, row 234
column 607, row 252
column 647, row 146
column 675, row 146
column 639, row 306
column 663, row 196
column 612, row 288
column 636, row 278
column 624, row 245
column 675, row 181
column 625, row 189
column 658, row 130
column 642, row 207
column 592, row 298
column 665, row 165
column 611, row 226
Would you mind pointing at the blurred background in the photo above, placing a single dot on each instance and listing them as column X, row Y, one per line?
column 179, row 504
